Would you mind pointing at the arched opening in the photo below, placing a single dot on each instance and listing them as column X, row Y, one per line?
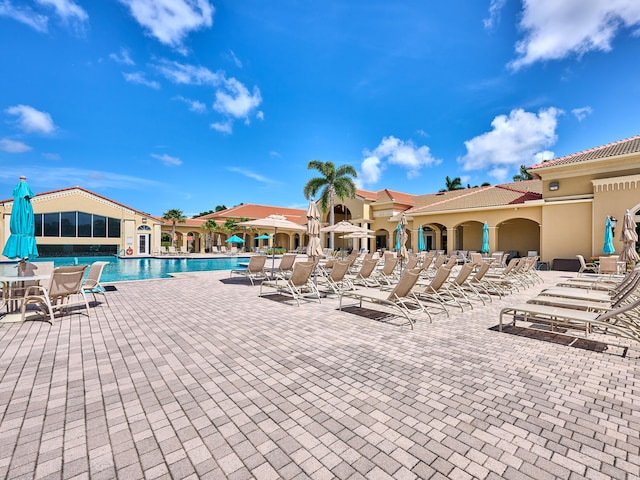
column 469, row 236
column 341, row 212
column 518, row 237
column 435, row 236
column 382, row 239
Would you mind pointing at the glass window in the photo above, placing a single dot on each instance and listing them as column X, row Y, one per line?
column 51, row 224
column 68, row 224
column 84, row 224
column 38, row 223
column 114, row 227
column 99, row 226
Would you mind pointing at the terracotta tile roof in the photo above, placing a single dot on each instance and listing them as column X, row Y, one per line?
column 366, row 194
column 399, row 197
column 479, row 197
column 621, row 147
column 253, row 212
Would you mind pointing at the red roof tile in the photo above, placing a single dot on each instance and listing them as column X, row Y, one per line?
column 614, row 149
column 253, row 212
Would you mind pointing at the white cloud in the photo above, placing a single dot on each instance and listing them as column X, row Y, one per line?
column 515, row 140
column 51, row 156
column 170, row 21
column 123, row 57
column 235, row 99
column 544, row 156
column 194, row 105
column 44, row 178
column 235, row 59
column 494, row 13
column 11, row 146
column 24, row 15
column 140, row 79
column 68, row 10
column 582, row 113
column 189, row 74
column 252, row 175
column 167, row 159
column 394, row 151
column 370, row 172
column 499, row 173
column 31, row 120
column 556, row 29
column 223, row 127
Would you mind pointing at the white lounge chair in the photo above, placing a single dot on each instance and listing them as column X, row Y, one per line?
column 92, row 283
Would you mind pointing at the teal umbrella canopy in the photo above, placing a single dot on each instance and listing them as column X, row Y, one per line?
column 22, row 241
column 608, row 247
column 485, row 238
column 264, row 236
column 234, row 239
column 398, row 230
column 421, row 245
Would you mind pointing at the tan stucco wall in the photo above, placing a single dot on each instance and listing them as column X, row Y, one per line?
column 566, row 229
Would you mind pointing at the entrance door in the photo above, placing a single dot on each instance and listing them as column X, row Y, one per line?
column 143, row 244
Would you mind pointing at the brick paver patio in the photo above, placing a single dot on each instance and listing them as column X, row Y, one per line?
column 197, row 377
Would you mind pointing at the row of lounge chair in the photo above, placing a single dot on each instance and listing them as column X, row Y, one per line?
column 417, row 287
column 607, row 304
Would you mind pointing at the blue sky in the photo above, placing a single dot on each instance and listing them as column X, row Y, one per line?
column 189, row 104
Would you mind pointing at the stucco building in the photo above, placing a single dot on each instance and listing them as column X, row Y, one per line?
column 560, row 213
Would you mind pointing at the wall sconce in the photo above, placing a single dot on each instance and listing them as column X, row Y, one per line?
column 553, row 186
column 144, row 220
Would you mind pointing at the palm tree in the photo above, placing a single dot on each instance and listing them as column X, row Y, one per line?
column 174, row 216
column 522, row 175
column 210, row 226
column 333, row 181
column 452, row 184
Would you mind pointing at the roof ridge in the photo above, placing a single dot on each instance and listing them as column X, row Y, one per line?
column 582, row 152
column 445, row 200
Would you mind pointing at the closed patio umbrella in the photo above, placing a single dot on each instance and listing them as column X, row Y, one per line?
column 608, row 247
column 314, row 248
column 22, row 241
column 629, row 237
column 421, row 245
column 485, row 238
column 402, row 236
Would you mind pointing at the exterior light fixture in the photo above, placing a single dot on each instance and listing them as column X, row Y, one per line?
column 144, row 219
column 613, row 221
column 553, row 186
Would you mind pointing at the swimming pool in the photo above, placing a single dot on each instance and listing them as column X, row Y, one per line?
column 142, row 268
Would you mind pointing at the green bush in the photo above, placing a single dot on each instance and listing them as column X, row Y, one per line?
column 276, row 251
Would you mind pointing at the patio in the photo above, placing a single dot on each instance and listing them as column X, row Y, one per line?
column 198, row 377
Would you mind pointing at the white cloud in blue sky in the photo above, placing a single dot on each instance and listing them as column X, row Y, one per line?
column 140, row 79
column 168, row 160
column 25, row 15
column 31, row 120
column 170, row 21
column 554, row 29
column 582, row 112
column 12, row 146
column 516, row 139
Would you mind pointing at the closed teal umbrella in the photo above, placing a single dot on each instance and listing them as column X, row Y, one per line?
column 608, row 247
column 485, row 238
column 421, row 245
column 398, row 231
column 22, row 241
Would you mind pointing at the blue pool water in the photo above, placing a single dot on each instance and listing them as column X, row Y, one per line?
column 143, row 268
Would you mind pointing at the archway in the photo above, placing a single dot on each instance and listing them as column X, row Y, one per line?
column 518, row 237
column 382, row 239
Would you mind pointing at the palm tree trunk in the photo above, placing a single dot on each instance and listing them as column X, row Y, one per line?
column 173, row 234
column 331, row 219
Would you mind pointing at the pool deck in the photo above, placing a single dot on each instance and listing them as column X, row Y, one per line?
column 198, row 377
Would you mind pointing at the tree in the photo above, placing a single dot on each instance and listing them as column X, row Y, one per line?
column 219, row 208
column 333, row 181
column 522, row 175
column 174, row 216
column 210, row 226
column 452, row 184
column 202, row 214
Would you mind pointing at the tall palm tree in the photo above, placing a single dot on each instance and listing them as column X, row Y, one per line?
column 174, row 216
column 210, row 226
column 452, row 184
column 522, row 175
column 333, row 182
